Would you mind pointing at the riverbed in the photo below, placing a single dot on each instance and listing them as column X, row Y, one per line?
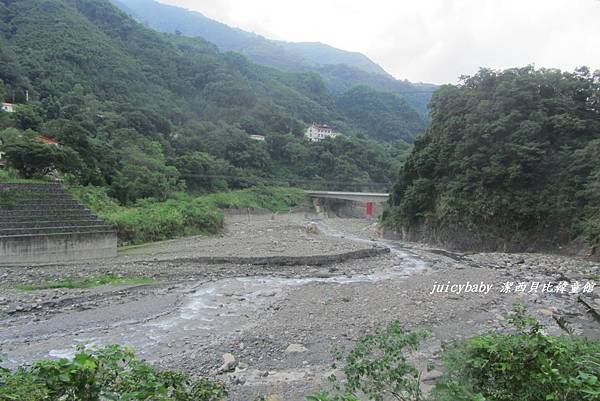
column 279, row 321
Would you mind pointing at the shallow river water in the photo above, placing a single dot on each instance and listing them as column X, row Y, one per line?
column 200, row 310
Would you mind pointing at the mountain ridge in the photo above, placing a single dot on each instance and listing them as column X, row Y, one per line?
column 170, row 19
column 340, row 69
column 143, row 112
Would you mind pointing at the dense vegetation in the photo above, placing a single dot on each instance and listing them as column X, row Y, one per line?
column 147, row 114
column 340, row 70
column 111, row 373
column 512, row 156
column 284, row 55
column 378, row 114
column 148, row 220
column 341, row 78
column 522, row 365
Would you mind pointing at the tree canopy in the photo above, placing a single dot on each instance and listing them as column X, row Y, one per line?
column 508, row 152
column 136, row 105
column 340, row 70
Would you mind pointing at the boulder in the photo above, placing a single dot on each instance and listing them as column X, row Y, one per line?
column 312, row 228
column 295, row 349
column 229, row 363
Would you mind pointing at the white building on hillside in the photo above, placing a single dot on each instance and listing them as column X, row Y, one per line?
column 318, row 132
column 8, row 107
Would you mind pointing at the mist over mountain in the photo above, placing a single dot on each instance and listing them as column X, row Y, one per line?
column 171, row 19
column 340, row 69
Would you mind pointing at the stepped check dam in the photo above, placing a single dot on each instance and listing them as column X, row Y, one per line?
column 43, row 223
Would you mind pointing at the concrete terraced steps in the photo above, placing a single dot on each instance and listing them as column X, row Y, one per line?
column 43, row 223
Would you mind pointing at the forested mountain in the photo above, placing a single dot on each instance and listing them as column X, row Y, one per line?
column 171, row 19
column 511, row 159
column 340, row 69
column 145, row 112
column 378, row 113
column 340, row 78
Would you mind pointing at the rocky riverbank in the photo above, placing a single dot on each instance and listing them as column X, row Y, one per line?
column 270, row 329
column 457, row 237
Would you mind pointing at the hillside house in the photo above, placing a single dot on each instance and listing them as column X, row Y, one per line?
column 318, row 132
column 8, row 107
column 260, row 138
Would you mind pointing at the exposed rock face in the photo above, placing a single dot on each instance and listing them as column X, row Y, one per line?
column 483, row 240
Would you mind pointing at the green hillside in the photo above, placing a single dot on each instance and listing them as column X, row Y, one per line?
column 379, row 114
column 280, row 54
column 58, row 44
column 340, row 69
column 341, row 78
column 511, row 160
column 147, row 114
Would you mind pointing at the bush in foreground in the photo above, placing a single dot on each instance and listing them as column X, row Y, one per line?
column 112, row 373
column 525, row 365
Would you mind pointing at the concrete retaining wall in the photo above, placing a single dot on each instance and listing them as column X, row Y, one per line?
column 42, row 223
column 51, row 248
column 310, row 260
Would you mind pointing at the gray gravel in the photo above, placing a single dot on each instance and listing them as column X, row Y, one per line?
column 280, row 323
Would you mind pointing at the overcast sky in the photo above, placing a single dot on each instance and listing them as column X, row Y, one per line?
column 428, row 40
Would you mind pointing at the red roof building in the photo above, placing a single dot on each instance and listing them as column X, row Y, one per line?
column 47, row 141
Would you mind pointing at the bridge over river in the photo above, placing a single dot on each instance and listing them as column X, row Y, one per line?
column 368, row 199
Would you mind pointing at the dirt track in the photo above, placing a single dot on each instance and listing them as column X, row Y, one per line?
column 280, row 322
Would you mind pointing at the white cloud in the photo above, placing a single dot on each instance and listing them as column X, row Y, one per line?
column 428, row 40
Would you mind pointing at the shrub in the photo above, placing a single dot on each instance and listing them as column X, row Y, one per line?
column 155, row 221
column 111, row 373
column 96, row 199
column 523, row 366
column 183, row 214
column 377, row 368
column 8, row 199
column 275, row 199
column 9, row 175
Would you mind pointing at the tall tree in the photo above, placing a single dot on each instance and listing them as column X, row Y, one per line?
column 508, row 153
